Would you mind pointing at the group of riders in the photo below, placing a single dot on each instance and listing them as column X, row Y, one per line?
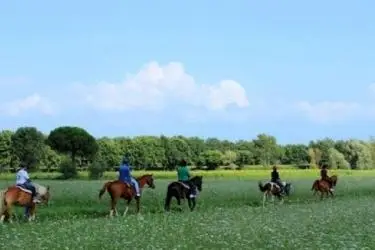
column 275, row 178
column 183, row 176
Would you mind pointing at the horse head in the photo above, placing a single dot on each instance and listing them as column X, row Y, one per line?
column 43, row 193
column 334, row 180
column 287, row 188
column 147, row 179
column 197, row 181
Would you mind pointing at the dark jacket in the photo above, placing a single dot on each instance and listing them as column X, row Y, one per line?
column 275, row 176
column 323, row 173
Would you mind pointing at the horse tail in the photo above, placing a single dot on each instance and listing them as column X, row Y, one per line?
column 313, row 186
column 261, row 187
column 104, row 188
column 3, row 202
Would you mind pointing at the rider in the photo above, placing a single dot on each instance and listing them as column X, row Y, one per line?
column 183, row 176
column 126, row 177
column 324, row 176
column 23, row 180
column 275, row 177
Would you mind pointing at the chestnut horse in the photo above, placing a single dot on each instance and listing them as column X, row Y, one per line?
column 19, row 196
column 272, row 189
column 118, row 189
column 323, row 186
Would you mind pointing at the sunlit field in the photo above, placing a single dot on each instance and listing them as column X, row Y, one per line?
column 228, row 216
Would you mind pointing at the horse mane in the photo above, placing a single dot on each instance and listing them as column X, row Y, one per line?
column 40, row 188
column 196, row 177
column 144, row 176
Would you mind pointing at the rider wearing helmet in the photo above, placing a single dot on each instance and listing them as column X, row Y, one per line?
column 275, row 177
column 126, row 177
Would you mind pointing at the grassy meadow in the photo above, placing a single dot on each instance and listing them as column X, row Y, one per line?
column 228, row 216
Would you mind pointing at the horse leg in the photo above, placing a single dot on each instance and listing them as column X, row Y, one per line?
column 193, row 203
column 32, row 212
column 127, row 207
column 113, row 206
column 137, row 201
column 9, row 212
column 332, row 195
column 264, row 199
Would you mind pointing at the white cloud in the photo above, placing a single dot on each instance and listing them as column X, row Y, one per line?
column 158, row 86
column 324, row 112
column 33, row 102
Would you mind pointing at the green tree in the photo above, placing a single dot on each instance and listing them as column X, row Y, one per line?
column 358, row 154
column 266, row 149
column 295, row 154
column 74, row 141
column 197, row 146
column 212, row 159
column 229, row 157
column 110, row 152
column 150, row 151
column 176, row 149
column 50, row 159
column 336, row 160
column 244, row 157
column 27, row 145
column 5, row 149
column 323, row 145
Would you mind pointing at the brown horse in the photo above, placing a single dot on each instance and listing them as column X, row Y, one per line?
column 15, row 195
column 118, row 189
column 272, row 189
column 323, row 186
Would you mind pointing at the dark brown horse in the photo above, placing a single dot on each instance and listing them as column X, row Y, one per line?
column 323, row 186
column 118, row 189
column 272, row 189
column 181, row 191
column 15, row 195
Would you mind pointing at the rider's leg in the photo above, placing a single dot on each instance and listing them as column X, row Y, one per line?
column 136, row 186
column 193, row 189
column 280, row 185
column 31, row 187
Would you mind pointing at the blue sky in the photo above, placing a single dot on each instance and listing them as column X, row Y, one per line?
column 297, row 70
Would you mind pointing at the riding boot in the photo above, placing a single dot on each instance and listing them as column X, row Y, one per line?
column 35, row 196
column 193, row 190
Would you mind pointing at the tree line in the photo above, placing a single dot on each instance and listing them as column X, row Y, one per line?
column 75, row 149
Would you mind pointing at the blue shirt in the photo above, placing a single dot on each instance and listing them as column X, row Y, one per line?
column 125, row 175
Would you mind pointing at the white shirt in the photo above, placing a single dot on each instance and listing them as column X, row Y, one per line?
column 21, row 177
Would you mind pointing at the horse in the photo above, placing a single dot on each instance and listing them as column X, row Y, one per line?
column 323, row 186
column 181, row 191
column 19, row 196
column 272, row 189
column 118, row 189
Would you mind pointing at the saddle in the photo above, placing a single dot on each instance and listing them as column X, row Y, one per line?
column 129, row 185
column 24, row 189
column 281, row 188
column 183, row 184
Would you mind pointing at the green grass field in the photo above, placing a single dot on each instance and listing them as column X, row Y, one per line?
column 228, row 216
